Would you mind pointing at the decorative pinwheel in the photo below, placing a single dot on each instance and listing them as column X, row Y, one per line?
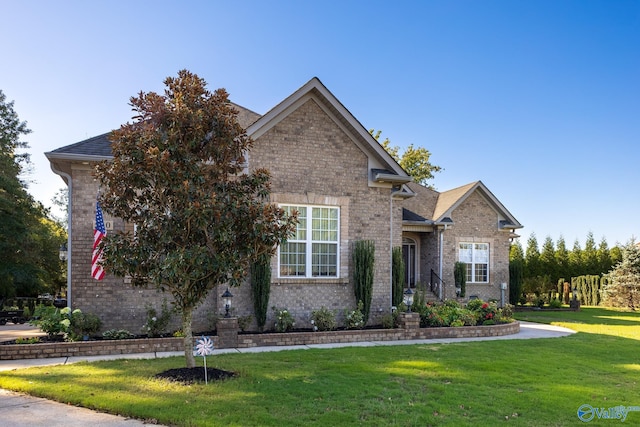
column 204, row 348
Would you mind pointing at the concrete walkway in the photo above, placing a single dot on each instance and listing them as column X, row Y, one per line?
column 20, row 410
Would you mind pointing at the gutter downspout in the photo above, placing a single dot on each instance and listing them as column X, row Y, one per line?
column 391, row 251
column 69, row 216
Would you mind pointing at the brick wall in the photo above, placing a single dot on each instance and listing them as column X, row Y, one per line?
column 312, row 161
column 118, row 304
column 476, row 221
column 105, row 347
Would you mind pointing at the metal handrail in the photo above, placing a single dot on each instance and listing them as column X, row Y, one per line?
column 436, row 283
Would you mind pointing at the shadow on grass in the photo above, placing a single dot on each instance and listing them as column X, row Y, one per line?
column 587, row 315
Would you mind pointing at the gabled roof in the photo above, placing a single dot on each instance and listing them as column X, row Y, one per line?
column 448, row 201
column 379, row 159
column 99, row 147
column 388, row 170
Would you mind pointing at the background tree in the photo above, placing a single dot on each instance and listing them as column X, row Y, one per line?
column 61, row 200
column 177, row 174
column 604, row 257
column 532, row 270
column 616, row 255
column 415, row 161
column 575, row 260
column 590, row 264
column 623, row 287
column 562, row 260
column 516, row 272
column 548, row 264
column 29, row 242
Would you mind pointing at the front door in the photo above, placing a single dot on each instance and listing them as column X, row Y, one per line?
column 410, row 262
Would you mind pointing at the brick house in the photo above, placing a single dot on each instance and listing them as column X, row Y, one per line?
column 327, row 166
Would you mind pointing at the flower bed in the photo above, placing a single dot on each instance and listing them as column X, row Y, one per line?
column 153, row 345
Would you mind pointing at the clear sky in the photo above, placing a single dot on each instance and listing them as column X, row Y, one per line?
column 539, row 99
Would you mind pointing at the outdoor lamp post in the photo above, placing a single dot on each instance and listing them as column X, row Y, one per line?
column 408, row 299
column 226, row 298
column 62, row 254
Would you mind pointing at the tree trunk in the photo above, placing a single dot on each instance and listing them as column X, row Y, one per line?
column 187, row 315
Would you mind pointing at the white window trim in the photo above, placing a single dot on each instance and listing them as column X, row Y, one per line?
column 473, row 261
column 309, row 241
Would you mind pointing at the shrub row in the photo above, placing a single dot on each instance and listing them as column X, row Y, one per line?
column 452, row 313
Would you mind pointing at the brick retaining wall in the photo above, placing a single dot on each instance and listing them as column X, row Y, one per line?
column 151, row 345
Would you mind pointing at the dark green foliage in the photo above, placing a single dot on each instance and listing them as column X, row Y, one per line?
column 398, row 276
column 543, row 272
column 29, row 240
column 623, row 282
column 532, row 258
column 363, row 263
column 516, row 280
column 460, row 277
column 588, row 289
column 177, row 174
column 261, row 288
column 117, row 334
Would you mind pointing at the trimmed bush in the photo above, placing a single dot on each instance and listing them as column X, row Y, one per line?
column 354, row 319
column 323, row 319
column 261, row 288
column 397, row 276
column 460, row 277
column 363, row 262
column 284, row 320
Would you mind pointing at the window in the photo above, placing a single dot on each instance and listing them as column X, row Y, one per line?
column 313, row 250
column 476, row 256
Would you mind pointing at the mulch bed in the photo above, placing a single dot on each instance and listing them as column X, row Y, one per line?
column 194, row 375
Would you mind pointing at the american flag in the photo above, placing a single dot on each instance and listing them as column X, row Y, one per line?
column 97, row 272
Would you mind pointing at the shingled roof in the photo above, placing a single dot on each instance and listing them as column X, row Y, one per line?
column 100, row 146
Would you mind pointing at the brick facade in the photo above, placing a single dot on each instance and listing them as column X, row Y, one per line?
column 477, row 222
column 318, row 155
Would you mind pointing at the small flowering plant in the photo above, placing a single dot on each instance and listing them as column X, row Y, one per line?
column 284, row 320
column 486, row 312
column 323, row 319
column 354, row 319
column 157, row 323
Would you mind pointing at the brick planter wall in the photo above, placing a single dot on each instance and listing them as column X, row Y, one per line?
column 89, row 348
column 115, row 347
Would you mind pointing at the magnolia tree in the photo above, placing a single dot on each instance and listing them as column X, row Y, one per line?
column 177, row 174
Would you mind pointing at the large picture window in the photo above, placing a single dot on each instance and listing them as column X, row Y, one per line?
column 476, row 256
column 313, row 250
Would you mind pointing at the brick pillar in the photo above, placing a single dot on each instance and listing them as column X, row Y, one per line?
column 227, row 332
column 409, row 320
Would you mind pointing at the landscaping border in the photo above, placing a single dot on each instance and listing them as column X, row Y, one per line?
column 152, row 345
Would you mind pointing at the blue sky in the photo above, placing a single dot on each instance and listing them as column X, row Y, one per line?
column 538, row 99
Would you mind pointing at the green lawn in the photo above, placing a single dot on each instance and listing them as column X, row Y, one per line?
column 539, row 382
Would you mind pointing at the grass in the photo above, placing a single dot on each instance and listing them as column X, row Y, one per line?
column 538, row 382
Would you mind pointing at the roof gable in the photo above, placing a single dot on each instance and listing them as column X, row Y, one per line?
column 385, row 168
column 448, row 201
